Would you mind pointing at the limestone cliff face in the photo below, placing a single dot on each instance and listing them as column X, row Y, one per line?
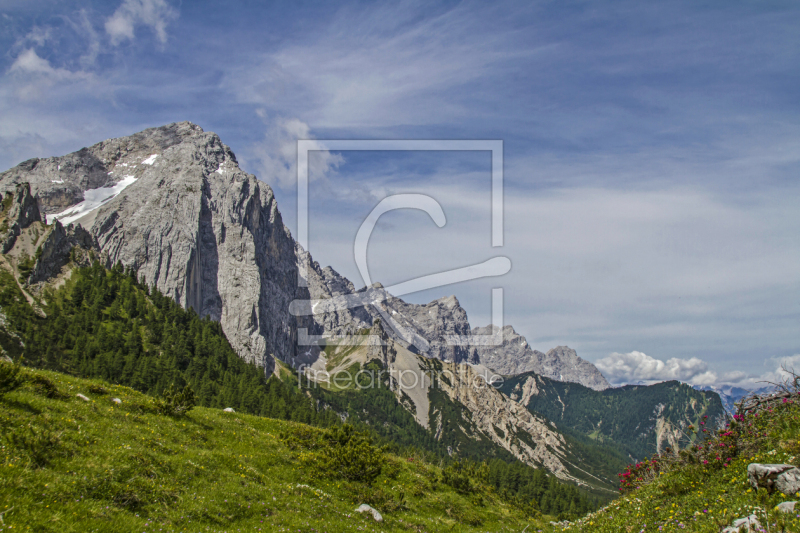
column 191, row 222
column 515, row 356
column 530, row 438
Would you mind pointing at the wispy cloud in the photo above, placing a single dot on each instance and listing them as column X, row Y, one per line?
column 155, row 14
column 383, row 66
column 276, row 153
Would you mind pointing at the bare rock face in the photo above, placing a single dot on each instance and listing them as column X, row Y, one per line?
column 20, row 210
column 784, row 477
column 424, row 329
column 515, row 356
column 60, row 182
column 56, row 250
column 191, row 222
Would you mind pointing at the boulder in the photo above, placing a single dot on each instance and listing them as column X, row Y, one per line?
column 82, row 397
column 116, row 400
column 788, row 482
column 228, row 410
column 786, row 507
column 744, row 525
column 765, row 476
column 366, row 508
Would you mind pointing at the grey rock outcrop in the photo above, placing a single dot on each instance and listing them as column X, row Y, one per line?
column 744, row 525
column 788, row 482
column 786, row 507
column 56, row 248
column 22, row 211
column 515, row 356
column 364, row 508
column 783, row 477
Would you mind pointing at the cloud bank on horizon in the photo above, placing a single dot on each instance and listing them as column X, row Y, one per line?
column 637, row 368
column 650, row 149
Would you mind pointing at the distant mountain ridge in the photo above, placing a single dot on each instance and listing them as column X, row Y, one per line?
column 515, row 356
column 732, row 395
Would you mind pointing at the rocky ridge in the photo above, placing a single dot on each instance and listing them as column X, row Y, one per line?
column 515, row 356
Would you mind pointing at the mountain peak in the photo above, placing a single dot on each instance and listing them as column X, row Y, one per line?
column 515, row 356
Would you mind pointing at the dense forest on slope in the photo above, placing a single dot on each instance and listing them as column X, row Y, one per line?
column 625, row 416
column 106, row 324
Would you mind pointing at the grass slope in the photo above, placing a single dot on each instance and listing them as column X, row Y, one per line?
column 124, row 467
column 697, row 492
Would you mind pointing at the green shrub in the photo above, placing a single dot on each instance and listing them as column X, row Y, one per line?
column 339, row 452
column 43, row 386
column 176, row 402
column 350, row 455
column 10, row 377
column 38, row 444
column 97, row 389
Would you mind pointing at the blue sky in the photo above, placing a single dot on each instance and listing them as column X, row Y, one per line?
column 651, row 150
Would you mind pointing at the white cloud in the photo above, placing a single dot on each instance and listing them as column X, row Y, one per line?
column 153, row 13
column 29, row 61
column 36, row 72
column 636, row 367
column 277, row 153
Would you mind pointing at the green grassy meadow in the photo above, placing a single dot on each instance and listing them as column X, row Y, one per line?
column 68, row 465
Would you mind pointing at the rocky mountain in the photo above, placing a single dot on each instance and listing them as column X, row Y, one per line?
column 515, row 356
column 641, row 419
column 172, row 203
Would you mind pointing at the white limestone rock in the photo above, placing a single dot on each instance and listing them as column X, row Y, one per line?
column 364, row 508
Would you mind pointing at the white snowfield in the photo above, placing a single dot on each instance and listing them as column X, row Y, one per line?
column 92, row 199
column 150, row 160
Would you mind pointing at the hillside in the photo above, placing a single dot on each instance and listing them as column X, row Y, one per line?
column 707, row 488
column 70, row 465
column 107, row 324
column 641, row 420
